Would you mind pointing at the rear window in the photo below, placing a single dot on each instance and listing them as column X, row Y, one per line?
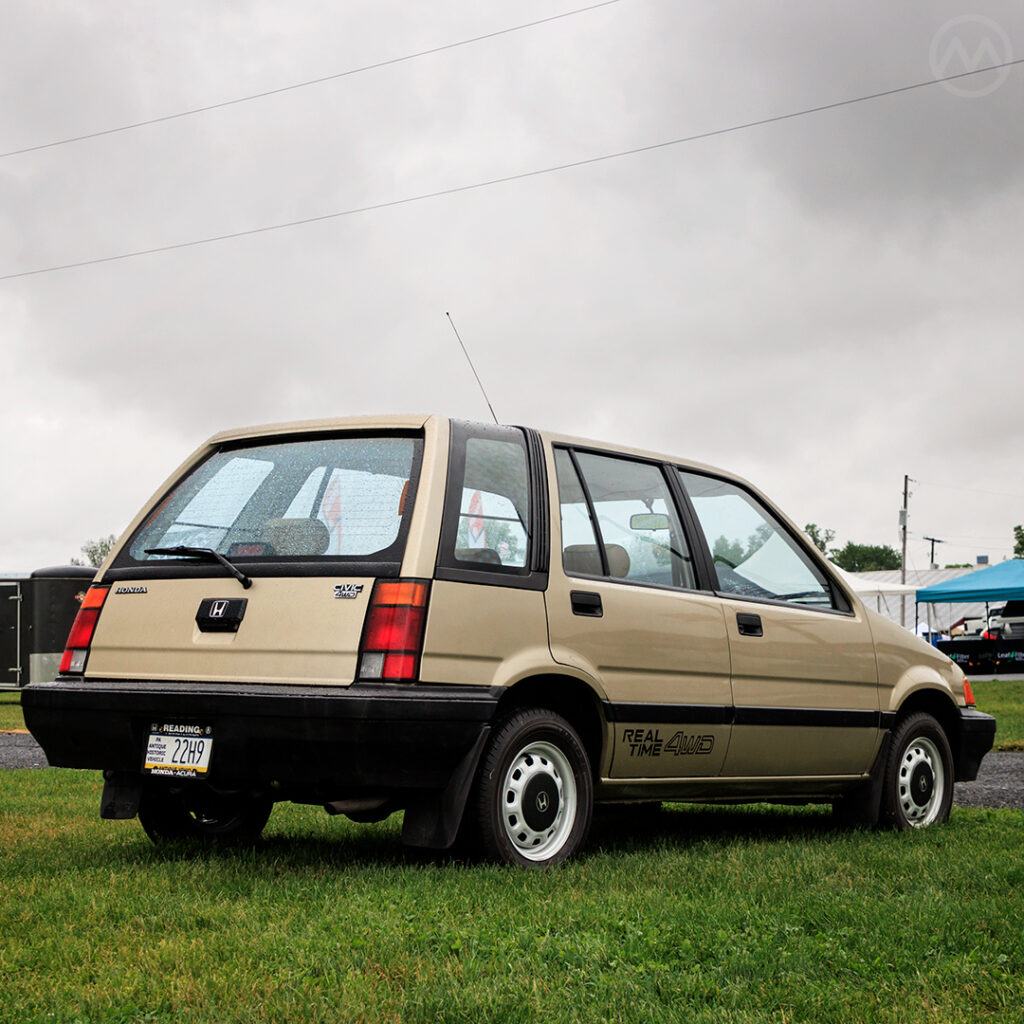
column 339, row 497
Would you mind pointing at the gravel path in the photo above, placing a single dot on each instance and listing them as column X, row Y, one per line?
column 19, row 750
column 1000, row 784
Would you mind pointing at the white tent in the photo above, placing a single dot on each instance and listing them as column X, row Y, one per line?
column 865, row 588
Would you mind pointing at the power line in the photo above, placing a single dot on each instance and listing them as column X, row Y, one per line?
column 974, row 490
column 303, row 85
column 475, row 186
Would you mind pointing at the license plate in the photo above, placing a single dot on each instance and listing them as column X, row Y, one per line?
column 178, row 750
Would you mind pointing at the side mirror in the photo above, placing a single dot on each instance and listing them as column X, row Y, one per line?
column 649, row 521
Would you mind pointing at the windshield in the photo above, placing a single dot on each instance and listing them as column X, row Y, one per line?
column 341, row 497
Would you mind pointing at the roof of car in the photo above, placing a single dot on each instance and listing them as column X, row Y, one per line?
column 415, row 421
column 386, row 422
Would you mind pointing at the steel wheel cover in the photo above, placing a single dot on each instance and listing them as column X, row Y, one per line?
column 921, row 782
column 538, row 801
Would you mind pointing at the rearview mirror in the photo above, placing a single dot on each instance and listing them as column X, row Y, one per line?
column 649, row 521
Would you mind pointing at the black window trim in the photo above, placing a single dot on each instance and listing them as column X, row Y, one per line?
column 387, row 565
column 840, row 603
column 533, row 575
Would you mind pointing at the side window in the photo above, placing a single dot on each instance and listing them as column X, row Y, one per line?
column 580, row 553
column 753, row 555
column 640, row 536
column 493, row 529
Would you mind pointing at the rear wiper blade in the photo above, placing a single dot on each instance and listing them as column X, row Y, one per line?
column 209, row 554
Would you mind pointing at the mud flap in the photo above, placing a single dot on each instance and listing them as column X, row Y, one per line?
column 432, row 820
column 862, row 805
column 122, row 792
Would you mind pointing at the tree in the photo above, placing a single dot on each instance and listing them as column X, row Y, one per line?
column 728, row 551
column 1018, row 542
column 821, row 537
column 96, row 551
column 866, row 557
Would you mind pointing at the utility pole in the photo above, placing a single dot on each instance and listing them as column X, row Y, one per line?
column 931, row 558
column 903, row 558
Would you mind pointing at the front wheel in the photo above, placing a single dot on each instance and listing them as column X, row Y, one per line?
column 197, row 812
column 918, row 786
column 534, row 794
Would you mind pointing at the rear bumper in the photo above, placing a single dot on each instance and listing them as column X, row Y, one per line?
column 312, row 743
column 977, row 734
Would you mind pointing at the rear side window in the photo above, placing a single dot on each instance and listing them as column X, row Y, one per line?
column 341, row 497
column 641, row 537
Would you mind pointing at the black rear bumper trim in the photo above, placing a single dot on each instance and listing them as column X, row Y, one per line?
column 313, row 740
column 977, row 734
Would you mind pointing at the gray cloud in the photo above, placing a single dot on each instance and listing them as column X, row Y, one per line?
column 821, row 305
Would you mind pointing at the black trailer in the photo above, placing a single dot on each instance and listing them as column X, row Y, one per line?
column 36, row 612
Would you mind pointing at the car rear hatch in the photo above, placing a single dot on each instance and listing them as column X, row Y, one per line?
column 258, row 564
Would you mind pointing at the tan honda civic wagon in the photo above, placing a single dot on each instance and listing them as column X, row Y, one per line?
column 492, row 629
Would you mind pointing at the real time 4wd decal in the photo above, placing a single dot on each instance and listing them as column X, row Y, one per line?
column 650, row 743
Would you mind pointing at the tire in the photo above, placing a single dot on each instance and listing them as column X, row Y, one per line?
column 918, row 787
column 534, row 795
column 200, row 814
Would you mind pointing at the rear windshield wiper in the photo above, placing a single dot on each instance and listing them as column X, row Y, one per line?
column 209, row 554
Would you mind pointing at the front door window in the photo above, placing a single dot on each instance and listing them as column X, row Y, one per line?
column 753, row 555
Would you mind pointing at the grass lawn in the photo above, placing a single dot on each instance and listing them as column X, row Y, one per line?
column 10, row 711
column 1004, row 699
column 703, row 915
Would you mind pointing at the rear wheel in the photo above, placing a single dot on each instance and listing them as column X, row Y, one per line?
column 198, row 812
column 534, row 794
column 918, row 787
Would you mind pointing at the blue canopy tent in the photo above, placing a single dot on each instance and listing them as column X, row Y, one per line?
column 1002, row 582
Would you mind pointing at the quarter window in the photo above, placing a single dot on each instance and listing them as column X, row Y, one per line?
column 493, row 529
column 754, row 556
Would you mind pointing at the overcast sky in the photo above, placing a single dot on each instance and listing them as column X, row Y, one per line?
column 821, row 304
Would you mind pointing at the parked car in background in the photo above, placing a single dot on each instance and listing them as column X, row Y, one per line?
column 1010, row 622
column 492, row 629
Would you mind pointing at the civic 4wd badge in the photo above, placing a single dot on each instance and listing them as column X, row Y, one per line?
column 348, row 590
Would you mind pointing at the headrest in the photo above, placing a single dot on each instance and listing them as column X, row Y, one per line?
column 486, row 555
column 296, row 536
column 582, row 558
column 618, row 561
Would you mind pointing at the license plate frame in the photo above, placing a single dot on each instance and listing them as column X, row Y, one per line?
column 178, row 749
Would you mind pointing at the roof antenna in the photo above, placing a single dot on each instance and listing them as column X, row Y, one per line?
column 471, row 366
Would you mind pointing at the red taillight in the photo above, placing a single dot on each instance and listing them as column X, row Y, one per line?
column 393, row 633
column 968, row 694
column 80, row 637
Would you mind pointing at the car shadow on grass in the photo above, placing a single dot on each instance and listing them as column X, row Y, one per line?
column 615, row 830
column 624, row 828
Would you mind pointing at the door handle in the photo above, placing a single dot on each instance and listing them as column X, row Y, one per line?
column 586, row 603
column 749, row 625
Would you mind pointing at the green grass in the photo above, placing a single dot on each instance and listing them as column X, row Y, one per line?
column 10, row 711
column 704, row 915
column 1004, row 699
